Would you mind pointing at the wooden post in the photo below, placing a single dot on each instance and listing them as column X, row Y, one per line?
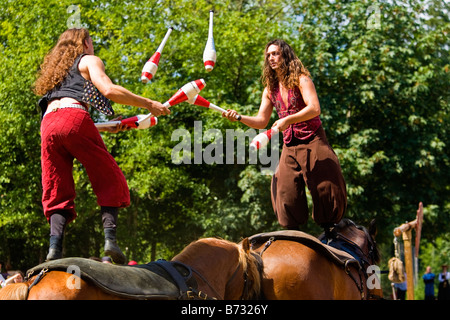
column 407, row 235
column 406, row 231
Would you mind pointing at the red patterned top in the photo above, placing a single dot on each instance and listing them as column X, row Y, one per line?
column 302, row 130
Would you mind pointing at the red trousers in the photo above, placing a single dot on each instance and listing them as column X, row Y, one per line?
column 67, row 134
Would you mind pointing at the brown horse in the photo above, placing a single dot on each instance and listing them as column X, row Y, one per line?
column 222, row 270
column 295, row 271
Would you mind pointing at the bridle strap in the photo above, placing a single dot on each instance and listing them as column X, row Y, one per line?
column 245, row 275
column 207, row 282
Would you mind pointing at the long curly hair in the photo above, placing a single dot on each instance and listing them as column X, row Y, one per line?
column 60, row 59
column 291, row 67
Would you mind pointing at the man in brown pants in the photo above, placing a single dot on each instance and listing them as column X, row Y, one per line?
column 307, row 159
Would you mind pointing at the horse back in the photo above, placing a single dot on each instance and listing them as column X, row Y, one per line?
column 295, row 271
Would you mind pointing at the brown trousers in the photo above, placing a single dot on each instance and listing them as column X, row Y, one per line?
column 315, row 165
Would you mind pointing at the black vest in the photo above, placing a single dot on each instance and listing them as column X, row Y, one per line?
column 76, row 87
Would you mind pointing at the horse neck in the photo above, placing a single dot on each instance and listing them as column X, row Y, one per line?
column 214, row 261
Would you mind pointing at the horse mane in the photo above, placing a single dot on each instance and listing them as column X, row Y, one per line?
column 16, row 291
column 251, row 262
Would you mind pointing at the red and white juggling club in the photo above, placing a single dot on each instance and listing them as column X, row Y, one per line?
column 200, row 101
column 262, row 139
column 209, row 54
column 151, row 66
column 132, row 122
column 186, row 92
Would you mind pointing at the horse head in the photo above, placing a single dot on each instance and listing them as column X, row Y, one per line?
column 360, row 243
column 364, row 238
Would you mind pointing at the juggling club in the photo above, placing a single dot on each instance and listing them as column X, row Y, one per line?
column 200, row 101
column 186, row 92
column 209, row 54
column 262, row 139
column 151, row 66
column 132, row 122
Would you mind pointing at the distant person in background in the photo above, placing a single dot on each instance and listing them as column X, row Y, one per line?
column 400, row 289
column 3, row 275
column 15, row 277
column 444, row 288
column 428, row 278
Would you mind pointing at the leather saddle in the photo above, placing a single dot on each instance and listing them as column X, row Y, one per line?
column 155, row 280
column 340, row 257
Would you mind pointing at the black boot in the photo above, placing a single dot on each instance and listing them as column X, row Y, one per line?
column 111, row 247
column 58, row 221
column 55, row 251
column 109, row 220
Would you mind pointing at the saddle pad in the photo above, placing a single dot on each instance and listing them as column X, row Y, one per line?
column 149, row 281
column 339, row 257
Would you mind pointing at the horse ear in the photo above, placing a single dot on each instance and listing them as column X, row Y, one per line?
column 373, row 228
column 246, row 245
